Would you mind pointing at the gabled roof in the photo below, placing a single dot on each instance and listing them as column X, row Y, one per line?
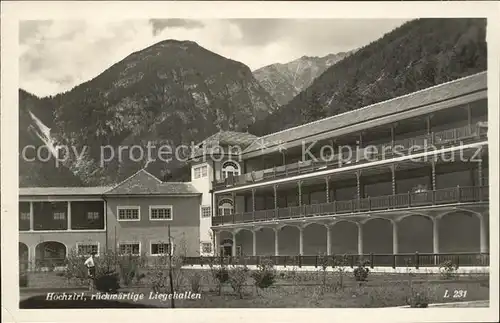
column 225, row 138
column 144, row 183
column 441, row 92
column 62, row 191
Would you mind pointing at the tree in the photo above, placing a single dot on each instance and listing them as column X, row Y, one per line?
column 313, row 110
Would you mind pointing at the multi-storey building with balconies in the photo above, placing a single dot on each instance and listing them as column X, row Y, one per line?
column 401, row 176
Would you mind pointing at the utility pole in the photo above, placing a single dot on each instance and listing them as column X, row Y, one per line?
column 170, row 275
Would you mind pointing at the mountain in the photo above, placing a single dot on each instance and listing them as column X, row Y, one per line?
column 172, row 93
column 284, row 81
column 419, row 54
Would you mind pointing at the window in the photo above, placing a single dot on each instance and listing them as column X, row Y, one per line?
column 85, row 249
column 200, row 171
column 59, row 215
column 25, row 216
column 206, row 211
column 92, row 216
column 129, row 213
column 160, row 248
column 206, row 247
column 230, row 168
column 160, row 213
column 129, row 248
column 226, row 207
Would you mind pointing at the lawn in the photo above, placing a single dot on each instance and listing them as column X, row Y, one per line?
column 291, row 289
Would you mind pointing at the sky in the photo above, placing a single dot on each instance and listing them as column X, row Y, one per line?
column 56, row 55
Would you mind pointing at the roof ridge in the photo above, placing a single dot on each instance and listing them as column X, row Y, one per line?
column 128, row 178
column 373, row 104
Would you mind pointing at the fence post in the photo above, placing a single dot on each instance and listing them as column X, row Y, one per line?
column 316, row 262
column 300, row 261
column 371, row 260
column 417, row 260
column 352, row 261
column 458, row 193
column 458, row 261
column 394, row 261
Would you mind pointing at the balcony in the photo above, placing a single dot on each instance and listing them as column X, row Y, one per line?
column 453, row 195
column 404, row 147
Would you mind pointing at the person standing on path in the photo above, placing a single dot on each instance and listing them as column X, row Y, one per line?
column 90, row 264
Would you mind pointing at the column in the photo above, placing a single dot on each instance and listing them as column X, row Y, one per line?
column 299, row 183
column 360, row 238
column 393, row 174
column 254, row 243
column 276, row 244
column 328, row 240
column 327, row 182
column 301, row 241
column 69, row 215
column 483, row 234
column 435, row 235
column 395, row 244
column 233, row 252
column 32, row 218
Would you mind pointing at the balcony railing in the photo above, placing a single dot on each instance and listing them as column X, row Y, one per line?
column 412, row 260
column 445, row 196
column 439, row 140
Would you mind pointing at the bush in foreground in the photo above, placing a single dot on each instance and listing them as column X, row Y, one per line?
column 265, row 275
column 238, row 277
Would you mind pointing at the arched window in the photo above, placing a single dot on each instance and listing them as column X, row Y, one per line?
column 226, row 207
column 230, row 168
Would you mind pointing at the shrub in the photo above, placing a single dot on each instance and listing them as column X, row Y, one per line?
column 448, row 270
column 361, row 272
column 23, row 280
column 238, row 276
column 219, row 273
column 195, row 282
column 340, row 263
column 265, row 275
column 418, row 299
column 108, row 283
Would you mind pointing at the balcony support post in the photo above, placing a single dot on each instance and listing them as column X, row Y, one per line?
column 328, row 240
column 299, row 186
column 301, row 240
column 358, row 183
column 393, row 139
column 428, row 124
column 69, row 215
column 253, row 204
column 233, row 252
column 276, row 242
column 469, row 115
column 275, row 188
column 433, row 174
column 483, row 233
column 395, row 241
column 254, row 243
column 327, row 184
column 360, row 238
column 393, row 176
column 233, row 197
column 32, row 218
column 435, row 235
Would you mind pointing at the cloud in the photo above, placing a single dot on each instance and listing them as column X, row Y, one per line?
column 160, row 24
column 57, row 55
